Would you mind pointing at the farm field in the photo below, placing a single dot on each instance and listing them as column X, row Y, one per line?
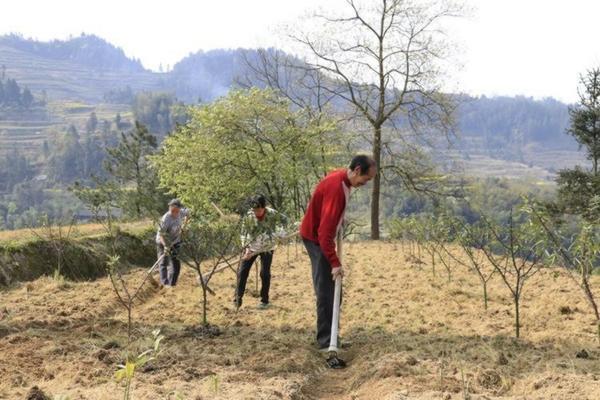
column 410, row 335
column 64, row 79
column 28, row 135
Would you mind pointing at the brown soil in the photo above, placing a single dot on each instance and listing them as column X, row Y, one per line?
column 411, row 335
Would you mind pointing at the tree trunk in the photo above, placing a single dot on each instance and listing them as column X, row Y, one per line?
column 376, row 193
column 485, row 295
column 517, row 319
column 204, row 306
column 129, row 323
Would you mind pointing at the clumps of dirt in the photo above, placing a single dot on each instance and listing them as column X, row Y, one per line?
column 395, row 367
column 194, row 374
column 6, row 330
column 111, row 344
column 490, row 379
column 415, row 261
column 203, row 331
column 108, row 355
column 35, row 393
column 583, row 354
column 566, row 310
column 410, row 360
column 502, row 360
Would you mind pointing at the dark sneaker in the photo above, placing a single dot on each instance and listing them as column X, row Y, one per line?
column 263, row 306
column 334, row 362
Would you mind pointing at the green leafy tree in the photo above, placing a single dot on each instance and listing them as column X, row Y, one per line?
column 66, row 162
column 92, row 123
column 156, row 111
column 577, row 186
column 128, row 164
column 27, row 98
column 246, row 143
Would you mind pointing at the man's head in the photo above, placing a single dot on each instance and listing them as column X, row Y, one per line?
column 361, row 170
column 175, row 207
column 259, row 205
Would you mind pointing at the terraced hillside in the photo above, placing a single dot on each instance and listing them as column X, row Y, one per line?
column 64, row 79
column 27, row 134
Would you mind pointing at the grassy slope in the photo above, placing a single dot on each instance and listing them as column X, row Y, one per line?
column 413, row 337
column 78, row 231
column 69, row 80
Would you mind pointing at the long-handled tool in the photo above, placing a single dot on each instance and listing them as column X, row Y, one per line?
column 333, row 361
column 149, row 274
column 164, row 254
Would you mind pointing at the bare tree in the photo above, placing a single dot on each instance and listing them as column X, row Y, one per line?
column 580, row 258
column 57, row 235
column 516, row 252
column 209, row 242
column 470, row 238
column 385, row 60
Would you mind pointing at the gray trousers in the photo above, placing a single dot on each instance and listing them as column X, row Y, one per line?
column 324, row 291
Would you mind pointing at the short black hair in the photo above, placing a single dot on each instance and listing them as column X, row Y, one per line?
column 175, row 203
column 364, row 162
column 258, row 201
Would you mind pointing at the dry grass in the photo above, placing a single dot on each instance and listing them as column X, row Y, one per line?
column 412, row 337
column 79, row 231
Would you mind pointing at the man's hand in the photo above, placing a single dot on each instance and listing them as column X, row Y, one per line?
column 247, row 255
column 337, row 271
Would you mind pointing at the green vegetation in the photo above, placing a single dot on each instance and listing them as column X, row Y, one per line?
column 374, row 90
column 11, row 95
column 246, row 143
column 126, row 372
column 578, row 187
column 82, row 256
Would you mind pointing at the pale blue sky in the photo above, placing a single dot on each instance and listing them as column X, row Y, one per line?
column 530, row 47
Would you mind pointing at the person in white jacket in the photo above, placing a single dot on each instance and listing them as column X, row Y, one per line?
column 261, row 226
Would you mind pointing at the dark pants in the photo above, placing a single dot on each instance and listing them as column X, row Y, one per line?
column 324, row 291
column 169, row 277
column 266, row 259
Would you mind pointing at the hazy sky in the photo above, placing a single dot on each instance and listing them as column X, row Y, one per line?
column 530, row 47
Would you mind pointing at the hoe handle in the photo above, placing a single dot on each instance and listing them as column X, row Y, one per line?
column 335, row 320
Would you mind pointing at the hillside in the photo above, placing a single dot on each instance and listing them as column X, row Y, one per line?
column 83, row 68
column 524, row 132
column 410, row 335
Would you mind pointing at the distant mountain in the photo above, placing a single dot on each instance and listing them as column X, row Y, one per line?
column 88, row 68
column 82, row 68
column 499, row 121
column 88, row 50
column 207, row 75
column 518, row 129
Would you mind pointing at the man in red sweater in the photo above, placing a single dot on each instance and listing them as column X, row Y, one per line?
column 322, row 221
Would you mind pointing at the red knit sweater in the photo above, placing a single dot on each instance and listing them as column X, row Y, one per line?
column 325, row 213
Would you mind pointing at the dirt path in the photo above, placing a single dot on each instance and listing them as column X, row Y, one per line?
column 330, row 384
